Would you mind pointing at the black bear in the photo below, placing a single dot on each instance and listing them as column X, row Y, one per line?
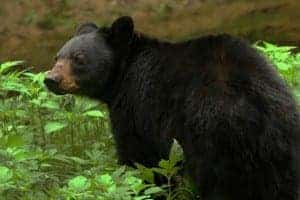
column 234, row 116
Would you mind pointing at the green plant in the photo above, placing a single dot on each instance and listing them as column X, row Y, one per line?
column 286, row 62
column 120, row 185
column 176, row 187
column 55, row 147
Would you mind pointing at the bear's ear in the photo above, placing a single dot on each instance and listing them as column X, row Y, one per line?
column 122, row 29
column 86, row 28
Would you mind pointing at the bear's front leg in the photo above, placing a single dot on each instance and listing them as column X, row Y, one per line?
column 133, row 147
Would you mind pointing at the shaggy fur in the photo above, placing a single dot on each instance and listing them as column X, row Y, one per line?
column 226, row 105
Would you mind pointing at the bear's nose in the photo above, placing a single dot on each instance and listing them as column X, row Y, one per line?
column 52, row 82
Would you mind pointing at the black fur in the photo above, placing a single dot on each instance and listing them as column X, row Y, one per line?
column 226, row 105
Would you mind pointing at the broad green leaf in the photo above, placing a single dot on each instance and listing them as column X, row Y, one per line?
column 105, row 180
column 94, row 113
column 36, row 102
column 15, row 140
column 269, row 46
column 87, row 104
column 153, row 190
column 167, row 168
column 161, row 171
column 4, row 67
column 14, row 86
column 112, row 189
column 5, row 174
column 145, row 173
column 147, row 197
column 51, row 127
column 283, row 66
column 78, row 160
column 50, row 105
column 133, row 181
column 36, row 78
column 165, row 164
column 119, row 172
column 176, row 153
column 285, row 48
column 21, row 113
column 79, row 184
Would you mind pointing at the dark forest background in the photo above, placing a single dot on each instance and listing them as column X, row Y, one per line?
column 33, row 30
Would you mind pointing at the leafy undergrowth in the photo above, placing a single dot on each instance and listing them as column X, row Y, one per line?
column 60, row 147
column 285, row 61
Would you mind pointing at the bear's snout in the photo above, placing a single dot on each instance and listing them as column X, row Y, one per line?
column 52, row 81
column 61, row 79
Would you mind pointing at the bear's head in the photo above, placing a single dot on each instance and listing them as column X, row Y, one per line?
column 86, row 64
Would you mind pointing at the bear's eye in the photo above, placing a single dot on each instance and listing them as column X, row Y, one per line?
column 79, row 59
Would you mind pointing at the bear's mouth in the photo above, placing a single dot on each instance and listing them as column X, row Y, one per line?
column 60, row 88
column 53, row 86
column 58, row 91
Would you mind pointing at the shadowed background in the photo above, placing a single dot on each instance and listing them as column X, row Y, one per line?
column 35, row 30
